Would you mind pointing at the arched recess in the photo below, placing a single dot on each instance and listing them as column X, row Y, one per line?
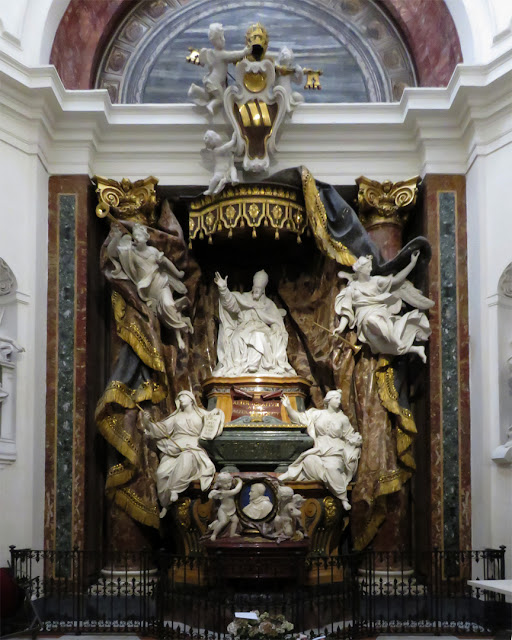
column 87, row 26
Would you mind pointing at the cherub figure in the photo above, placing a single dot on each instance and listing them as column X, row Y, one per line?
column 373, row 304
column 216, row 60
column 287, row 523
column 226, row 513
column 224, row 171
column 288, row 72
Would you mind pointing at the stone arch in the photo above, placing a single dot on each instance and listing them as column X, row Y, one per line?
column 86, row 27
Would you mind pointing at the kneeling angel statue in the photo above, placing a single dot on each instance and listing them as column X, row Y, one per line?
column 373, row 305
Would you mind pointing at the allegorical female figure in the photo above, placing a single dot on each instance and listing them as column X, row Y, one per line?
column 373, row 304
column 334, row 458
column 182, row 459
column 154, row 275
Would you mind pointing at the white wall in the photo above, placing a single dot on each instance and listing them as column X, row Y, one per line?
column 489, row 252
column 23, row 245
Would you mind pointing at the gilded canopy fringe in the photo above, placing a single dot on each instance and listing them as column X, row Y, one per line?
column 130, row 502
column 134, row 335
column 317, row 219
column 111, row 428
column 376, row 517
column 111, row 423
column 406, row 427
column 119, row 474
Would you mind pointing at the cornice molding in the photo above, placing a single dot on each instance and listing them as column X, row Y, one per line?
column 438, row 130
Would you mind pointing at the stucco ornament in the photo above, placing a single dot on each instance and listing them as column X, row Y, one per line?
column 255, row 103
column 225, row 491
column 288, row 522
column 8, row 346
column 216, row 61
column 7, row 279
column 502, row 455
column 252, row 336
column 224, row 170
column 177, row 437
column 288, row 72
column 373, row 305
column 153, row 274
column 334, row 458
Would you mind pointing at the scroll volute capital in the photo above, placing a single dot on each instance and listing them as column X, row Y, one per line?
column 386, row 202
column 127, row 200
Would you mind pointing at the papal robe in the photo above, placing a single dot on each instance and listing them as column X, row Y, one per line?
column 252, row 337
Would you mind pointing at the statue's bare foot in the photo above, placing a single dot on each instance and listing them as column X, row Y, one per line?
column 174, row 496
column 163, row 513
column 346, row 505
column 252, row 369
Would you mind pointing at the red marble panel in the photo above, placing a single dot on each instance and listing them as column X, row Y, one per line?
column 431, row 231
column 87, row 25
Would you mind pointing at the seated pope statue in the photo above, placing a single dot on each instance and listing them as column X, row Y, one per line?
column 252, row 336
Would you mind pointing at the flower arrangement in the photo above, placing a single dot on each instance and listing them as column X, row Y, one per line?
column 262, row 627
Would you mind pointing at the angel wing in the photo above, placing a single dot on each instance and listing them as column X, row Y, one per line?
column 408, row 292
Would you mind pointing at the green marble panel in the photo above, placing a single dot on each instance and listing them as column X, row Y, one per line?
column 450, row 373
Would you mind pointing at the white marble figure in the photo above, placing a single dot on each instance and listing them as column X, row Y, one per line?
column 182, row 460
column 288, row 72
column 373, row 304
column 224, row 491
column 252, row 336
column 154, row 275
column 8, row 346
column 502, row 455
column 288, row 520
column 259, row 505
column 334, row 458
column 224, row 171
column 216, row 61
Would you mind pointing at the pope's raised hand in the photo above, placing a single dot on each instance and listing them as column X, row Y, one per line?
column 221, row 282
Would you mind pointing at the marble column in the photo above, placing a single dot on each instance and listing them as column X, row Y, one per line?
column 384, row 210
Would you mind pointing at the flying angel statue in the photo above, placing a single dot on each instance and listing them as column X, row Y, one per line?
column 373, row 306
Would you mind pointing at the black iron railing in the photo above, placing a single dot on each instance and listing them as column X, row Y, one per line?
column 351, row 596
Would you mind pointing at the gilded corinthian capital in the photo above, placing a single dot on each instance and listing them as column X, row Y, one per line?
column 127, row 200
column 385, row 202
